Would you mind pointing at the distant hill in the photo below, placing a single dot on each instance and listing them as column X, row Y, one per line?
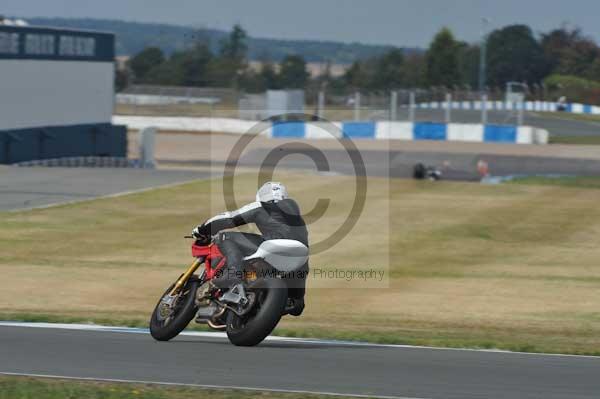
column 132, row 37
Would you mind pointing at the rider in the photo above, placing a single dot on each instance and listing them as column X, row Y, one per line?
column 277, row 217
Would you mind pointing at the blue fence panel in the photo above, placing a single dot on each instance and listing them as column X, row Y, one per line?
column 500, row 134
column 587, row 109
column 430, row 131
column 289, row 129
column 101, row 139
column 358, row 130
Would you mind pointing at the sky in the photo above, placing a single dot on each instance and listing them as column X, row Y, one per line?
column 410, row 23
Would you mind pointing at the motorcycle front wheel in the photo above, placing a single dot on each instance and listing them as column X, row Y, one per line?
column 168, row 321
column 252, row 328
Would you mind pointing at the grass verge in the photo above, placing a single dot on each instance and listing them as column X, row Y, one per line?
column 561, row 181
column 45, row 388
column 576, row 140
column 573, row 117
column 511, row 266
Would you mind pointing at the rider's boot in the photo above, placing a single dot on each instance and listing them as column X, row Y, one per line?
column 294, row 307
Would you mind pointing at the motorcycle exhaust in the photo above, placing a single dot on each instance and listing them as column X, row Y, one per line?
column 218, row 327
column 210, row 315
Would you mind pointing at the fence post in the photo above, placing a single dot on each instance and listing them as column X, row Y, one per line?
column 411, row 106
column 394, row 106
column 448, row 108
column 146, row 147
column 484, row 110
column 321, row 104
column 520, row 113
column 357, row 106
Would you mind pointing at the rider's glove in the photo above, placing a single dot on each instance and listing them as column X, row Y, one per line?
column 200, row 233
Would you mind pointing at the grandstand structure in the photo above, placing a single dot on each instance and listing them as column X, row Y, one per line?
column 57, row 94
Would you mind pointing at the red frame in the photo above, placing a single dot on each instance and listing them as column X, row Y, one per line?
column 209, row 252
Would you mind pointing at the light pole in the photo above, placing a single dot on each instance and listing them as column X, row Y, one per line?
column 483, row 55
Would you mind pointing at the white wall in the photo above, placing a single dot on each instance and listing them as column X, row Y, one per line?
column 36, row 93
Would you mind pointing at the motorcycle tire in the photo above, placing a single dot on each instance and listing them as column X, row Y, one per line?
column 252, row 329
column 185, row 311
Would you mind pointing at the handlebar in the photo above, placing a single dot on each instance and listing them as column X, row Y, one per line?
column 199, row 241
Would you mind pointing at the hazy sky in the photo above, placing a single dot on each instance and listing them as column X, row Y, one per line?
column 399, row 22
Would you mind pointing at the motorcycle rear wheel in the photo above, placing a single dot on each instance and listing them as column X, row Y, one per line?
column 253, row 328
column 165, row 329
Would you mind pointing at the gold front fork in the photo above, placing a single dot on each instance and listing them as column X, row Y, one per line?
column 185, row 277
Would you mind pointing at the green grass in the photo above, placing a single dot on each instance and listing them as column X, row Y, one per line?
column 571, row 116
column 42, row 388
column 566, row 181
column 576, row 140
column 512, row 266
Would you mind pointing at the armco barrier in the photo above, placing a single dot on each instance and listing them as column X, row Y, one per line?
column 102, row 139
column 430, row 131
column 388, row 130
column 384, row 130
column 185, row 124
column 358, row 130
column 535, row 106
column 288, row 129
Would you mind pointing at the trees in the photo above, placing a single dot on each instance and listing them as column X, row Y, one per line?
column 184, row 68
column 121, row 79
column 389, row 71
column 569, row 52
column 228, row 69
column 356, row 76
column 469, row 59
column 514, row 54
column 443, row 67
column 386, row 72
column 269, row 76
column 195, row 65
column 415, row 70
column 234, row 48
column 169, row 73
column 293, row 74
column 143, row 62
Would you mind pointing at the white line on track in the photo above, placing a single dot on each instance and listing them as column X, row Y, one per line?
column 314, row 341
column 202, row 386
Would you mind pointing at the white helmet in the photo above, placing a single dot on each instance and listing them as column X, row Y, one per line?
column 271, row 191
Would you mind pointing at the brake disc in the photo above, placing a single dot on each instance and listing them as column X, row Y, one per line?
column 166, row 307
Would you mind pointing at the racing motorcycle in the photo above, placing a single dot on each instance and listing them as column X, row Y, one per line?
column 248, row 311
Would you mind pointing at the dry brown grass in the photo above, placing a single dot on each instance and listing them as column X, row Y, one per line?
column 512, row 266
column 197, row 110
column 222, row 111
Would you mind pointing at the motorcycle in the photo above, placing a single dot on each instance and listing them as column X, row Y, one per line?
column 248, row 311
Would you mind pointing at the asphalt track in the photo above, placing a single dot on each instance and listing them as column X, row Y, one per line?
column 23, row 188
column 296, row 365
column 400, row 164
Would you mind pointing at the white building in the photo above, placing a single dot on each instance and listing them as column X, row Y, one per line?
column 56, row 94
